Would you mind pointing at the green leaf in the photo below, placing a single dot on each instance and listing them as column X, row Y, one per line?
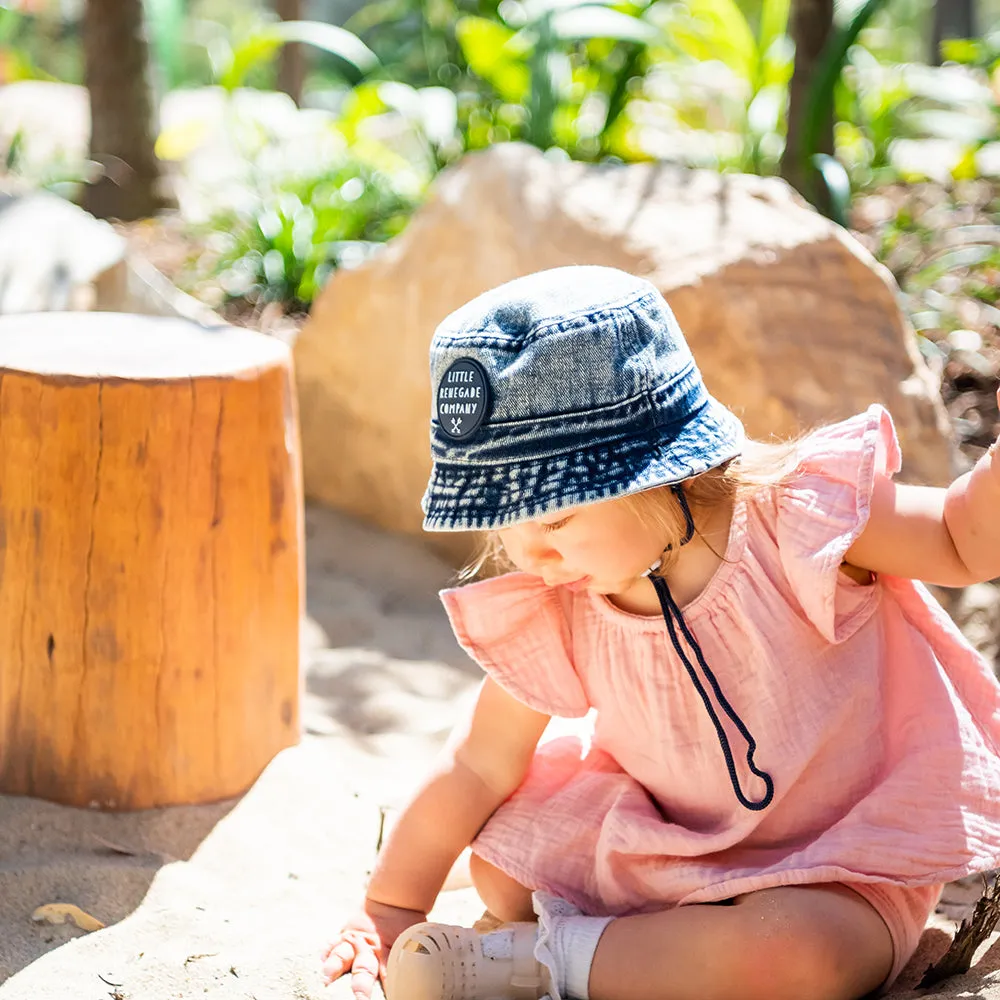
column 968, row 51
column 349, row 50
column 820, row 96
column 955, row 125
column 838, row 186
column 355, row 60
column 959, row 259
column 765, row 110
column 538, row 10
column 166, row 28
column 966, row 169
column 589, row 21
column 773, row 23
column 10, row 23
column 717, row 29
column 778, row 62
column 490, row 54
column 975, row 234
column 256, row 50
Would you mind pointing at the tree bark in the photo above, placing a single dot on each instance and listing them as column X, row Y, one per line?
column 952, row 19
column 116, row 66
column 811, row 25
column 292, row 64
column 150, row 546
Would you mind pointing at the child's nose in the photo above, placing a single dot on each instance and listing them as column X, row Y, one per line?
column 540, row 554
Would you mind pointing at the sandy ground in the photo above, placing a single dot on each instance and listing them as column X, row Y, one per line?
column 235, row 899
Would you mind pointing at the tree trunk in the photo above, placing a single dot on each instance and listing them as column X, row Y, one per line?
column 150, row 579
column 116, row 63
column 292, row 65
column 952, row 19
column 811, row 25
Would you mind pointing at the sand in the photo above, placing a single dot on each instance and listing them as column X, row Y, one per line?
column 236, row 899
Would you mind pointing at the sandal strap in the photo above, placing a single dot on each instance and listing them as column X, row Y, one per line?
column 526, row 980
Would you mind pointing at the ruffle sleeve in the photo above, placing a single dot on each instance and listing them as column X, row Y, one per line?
column 515, row 628
column 822, row 509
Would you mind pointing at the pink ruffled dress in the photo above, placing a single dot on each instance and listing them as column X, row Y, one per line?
column 876, row 720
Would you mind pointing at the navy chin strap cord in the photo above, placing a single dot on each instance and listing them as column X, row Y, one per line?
column 672, row 614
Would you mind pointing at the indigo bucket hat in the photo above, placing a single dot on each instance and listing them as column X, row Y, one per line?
column 562, row 388
column 566, row 387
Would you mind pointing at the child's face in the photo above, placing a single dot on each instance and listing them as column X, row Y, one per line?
column 603, row 547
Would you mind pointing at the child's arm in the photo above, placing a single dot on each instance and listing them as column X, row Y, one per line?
column 485, row 760
column 947, row 537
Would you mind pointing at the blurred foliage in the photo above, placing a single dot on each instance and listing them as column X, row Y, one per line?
column 284, row 246
column 285, row 197
column 42, row 46
column 233, row 63
column 560, row 74
column 724, row 74
column 404, row 87
column 822, row 171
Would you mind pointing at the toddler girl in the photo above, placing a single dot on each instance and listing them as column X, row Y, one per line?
column 785, row 747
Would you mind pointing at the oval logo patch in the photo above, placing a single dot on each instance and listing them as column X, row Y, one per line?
column 463, row 396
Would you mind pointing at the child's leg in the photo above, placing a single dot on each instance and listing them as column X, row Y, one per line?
column 821, row 941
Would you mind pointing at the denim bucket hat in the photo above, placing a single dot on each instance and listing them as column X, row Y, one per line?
column 562, row 388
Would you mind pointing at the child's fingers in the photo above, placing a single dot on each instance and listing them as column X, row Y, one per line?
column 364, row 972
column 338, row 960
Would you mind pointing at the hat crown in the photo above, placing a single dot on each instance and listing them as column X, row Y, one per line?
column 562, row 388
column 564, row 341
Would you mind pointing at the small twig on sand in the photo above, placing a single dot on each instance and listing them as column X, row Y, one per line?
column 970, row 934
column 382, row 810
column 193, row 958
column 116, row 993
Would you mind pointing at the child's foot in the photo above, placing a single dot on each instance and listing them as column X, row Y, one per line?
column 440, row 962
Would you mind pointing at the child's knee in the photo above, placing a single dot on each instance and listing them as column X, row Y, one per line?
column 504, row 896
column 823, row 947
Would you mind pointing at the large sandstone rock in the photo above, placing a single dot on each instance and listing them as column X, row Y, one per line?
column 792, row 323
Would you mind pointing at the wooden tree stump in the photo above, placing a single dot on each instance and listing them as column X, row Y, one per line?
column 150, row 559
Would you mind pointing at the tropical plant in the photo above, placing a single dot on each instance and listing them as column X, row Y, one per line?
column 233, row 62
column 742, row 96
column 37, row 45
column 561, row 73
column 943, row 248
column 286, row 247
column 165, row 25
column 415, row 40
column 290, row 212
column 911, row 122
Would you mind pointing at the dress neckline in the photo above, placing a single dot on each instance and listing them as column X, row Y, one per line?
column 725, row 569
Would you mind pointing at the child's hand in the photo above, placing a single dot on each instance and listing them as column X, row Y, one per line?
column 362, row 946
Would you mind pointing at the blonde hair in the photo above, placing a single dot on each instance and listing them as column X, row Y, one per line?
column 762, row 465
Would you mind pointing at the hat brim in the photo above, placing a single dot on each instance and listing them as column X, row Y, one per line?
column 477, row 497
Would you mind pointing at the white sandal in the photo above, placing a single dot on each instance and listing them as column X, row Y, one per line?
column 440, row 962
